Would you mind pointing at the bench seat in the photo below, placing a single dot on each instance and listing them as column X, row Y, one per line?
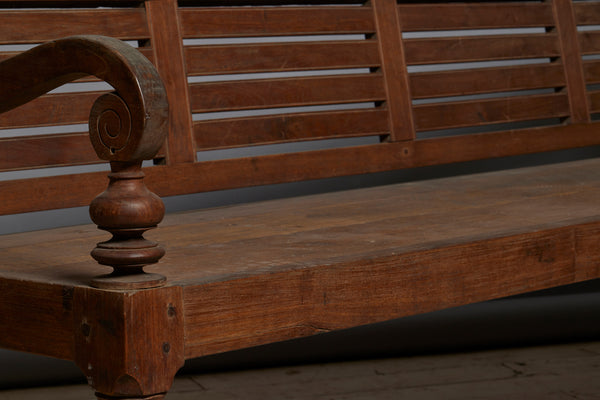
column 410, row 248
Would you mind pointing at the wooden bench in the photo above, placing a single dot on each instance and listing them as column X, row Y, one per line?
column 266, row 92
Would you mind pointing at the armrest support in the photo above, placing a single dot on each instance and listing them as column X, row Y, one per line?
column 126, row 127
column 136, row 82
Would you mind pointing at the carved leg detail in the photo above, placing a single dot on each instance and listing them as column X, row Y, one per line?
column 129, row 344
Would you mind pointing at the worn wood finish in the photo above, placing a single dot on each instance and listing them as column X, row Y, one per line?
column 168, row 53
column 145, row 326
column 591, row 70
column 40, row 26
column 394, row 70
column 432, row 17
column 54, row 109
column 34, row 314
column 310, row 253
column 226, row 59
column 46, row 151
column 481, row 112
column 280, row 129
column 486, row 80
column 286, row 92
column 251, row 274
column 259, row 21
column 587, row 13
column 567, row 31
column 126, row 127
column 468, row 49
column 37, row 194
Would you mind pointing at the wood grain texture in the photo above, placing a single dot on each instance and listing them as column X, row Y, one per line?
column 167, row 46
column 394, row 70
column 286, row 92
column 431, row 17
column 594, row 101
column 36, row 194
column 252, row 274
column 290, row 128
column 250, row 58
column 591, row 70
column 467, row 48
column 456, row 240
column 481, row 112
column 46, row 151
column 36, row 318
column 144, row 327
column 53, row 109
column 571, row 56
column 486, row 80
column 587, row 13
column 588, row 42
column 267, row 21
column 32, row 26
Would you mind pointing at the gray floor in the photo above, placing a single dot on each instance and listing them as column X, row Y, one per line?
column 570, row 371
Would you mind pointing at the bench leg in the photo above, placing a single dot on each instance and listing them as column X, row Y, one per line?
column 129, row 344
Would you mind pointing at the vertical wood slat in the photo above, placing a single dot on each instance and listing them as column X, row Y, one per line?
column 394, row 69
column 569, row 43
column 167, row 44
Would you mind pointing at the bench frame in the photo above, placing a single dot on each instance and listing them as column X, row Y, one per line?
column 151, row 321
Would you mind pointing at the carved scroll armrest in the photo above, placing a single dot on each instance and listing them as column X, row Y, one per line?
column 127, row 126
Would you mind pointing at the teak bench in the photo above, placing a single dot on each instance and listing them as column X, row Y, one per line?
column 372, row 87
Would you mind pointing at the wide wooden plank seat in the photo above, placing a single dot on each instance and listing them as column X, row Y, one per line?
column 293, row 267
column 216, row 95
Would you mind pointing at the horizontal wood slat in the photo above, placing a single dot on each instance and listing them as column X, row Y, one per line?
column 64, row 191
column 146, row 51
column 46, row 151
column 266, row 93
column 490, row 111
column 591, row 71
column 594, row 101
column 589, row 42
column 486, row 80
column 52, row 109
column 206, row 60
column 428, row 17
column 270, row 21
column 39, row 26
column 290, row 128
column 587, row 13
column 464, row 49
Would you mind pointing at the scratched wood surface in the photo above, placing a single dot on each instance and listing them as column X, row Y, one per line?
column 293, row 267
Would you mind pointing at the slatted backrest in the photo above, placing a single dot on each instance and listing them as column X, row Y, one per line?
column 495, row 63
column 281, row 74
column 270, row 91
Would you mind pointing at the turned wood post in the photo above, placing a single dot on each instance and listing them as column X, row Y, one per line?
column 126, row 209
column 127, row 126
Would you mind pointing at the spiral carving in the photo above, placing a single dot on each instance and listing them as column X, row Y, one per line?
column 110, row 126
